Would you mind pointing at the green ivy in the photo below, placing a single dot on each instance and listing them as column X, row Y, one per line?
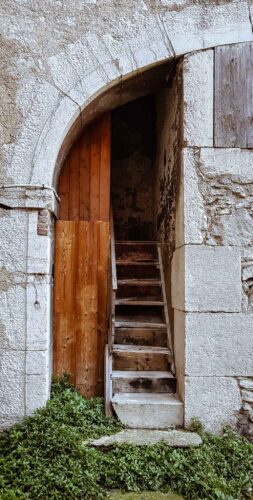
column 45, row 458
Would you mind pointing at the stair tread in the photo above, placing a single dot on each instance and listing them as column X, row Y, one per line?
column 141, row 374
column 139, row 282
column 134, row 242
column 139, row 348
column 146, row 398
column 139, row 324
column 133, row 302
column 148, row 263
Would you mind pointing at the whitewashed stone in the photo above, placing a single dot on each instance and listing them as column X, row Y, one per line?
column 198, row 99
column 235, row 228
column 148, row 411
column 235, row 163
column 215, row 401
column 178, row 279
column 12, row 312
column 39, row 248
column 191, row 220
column 179, row 350
column 198, row 25
column 247, row 395
column 13, row 240
column 39, row 321
column 218, row 344
column 37, row 363
column 37, row 392
column 12, row 384
column 38, row 117
column 48, row 145
column 206, row 279
column 147, row 437
column 247, row 384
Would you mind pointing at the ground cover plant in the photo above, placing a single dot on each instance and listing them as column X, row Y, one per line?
column 45, row 458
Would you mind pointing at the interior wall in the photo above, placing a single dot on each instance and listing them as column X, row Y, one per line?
column 132, row 169
column 167, row 169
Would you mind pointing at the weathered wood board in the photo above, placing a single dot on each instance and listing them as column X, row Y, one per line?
column 233, row 96
column 80, row 291
column 84, row 182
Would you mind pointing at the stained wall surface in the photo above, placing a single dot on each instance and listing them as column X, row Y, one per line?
column 56, row 61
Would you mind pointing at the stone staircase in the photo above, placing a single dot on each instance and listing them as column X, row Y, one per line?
column 143, row 383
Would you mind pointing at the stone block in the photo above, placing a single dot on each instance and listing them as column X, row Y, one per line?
column 39, row 258
column 148, row 411
column 179, row 350
column 234, row 163
column 235, row 228
column 39, row 312
column 37, row 392
column 198, row 99
column 13, row 240
column 206, row 279
column 12, row 384
column 12, row 307
column 198, row 25
column 215, row 401
column 191, row 220
column 147, row 437
column 37, row 363
column 178, row 279
column 217, row 344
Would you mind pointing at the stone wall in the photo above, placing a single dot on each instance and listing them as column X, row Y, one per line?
column 212, row 263
column 55, row 64
column 167, row 169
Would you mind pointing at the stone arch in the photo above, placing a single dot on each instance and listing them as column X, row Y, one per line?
column 55, row 107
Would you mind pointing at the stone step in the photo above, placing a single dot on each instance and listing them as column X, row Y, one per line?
column 147, row 437
column 143, row 381
column 148, row 411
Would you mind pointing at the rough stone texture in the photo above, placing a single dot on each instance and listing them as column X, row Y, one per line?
column 215, row 401
column 174, row 438
column 202, row 24
column 206, row 279
column 198, row 99
column 38, row 313
column 245, row 419
column 226, row 187
column 55, row 60
column 12, row 369
column 167, row 169
column 214, row 344
column 148, row 411
column 191, row 219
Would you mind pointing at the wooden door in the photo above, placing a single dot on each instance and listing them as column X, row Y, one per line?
column 81, row 260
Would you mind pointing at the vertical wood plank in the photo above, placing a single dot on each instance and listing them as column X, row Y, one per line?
column 63, row 190
column 103, row 257
column 105, row 167
column 233, row 103
column 74, row 181
column 81, row 260
column 95, row 155
column 64, row 297
column 84, row 197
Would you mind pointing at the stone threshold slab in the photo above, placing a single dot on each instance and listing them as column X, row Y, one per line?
column 149, row 437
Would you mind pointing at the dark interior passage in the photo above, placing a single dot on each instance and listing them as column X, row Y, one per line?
column 132, row 169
